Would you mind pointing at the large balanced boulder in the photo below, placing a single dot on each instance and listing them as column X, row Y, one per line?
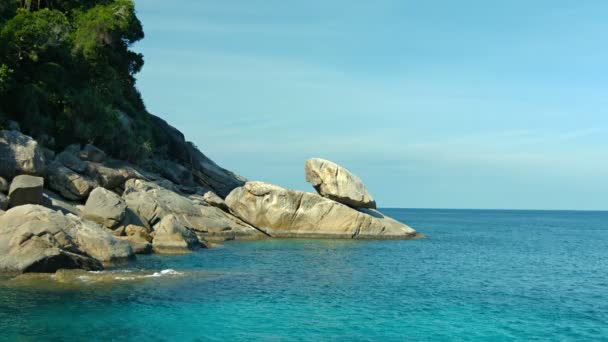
column 37, row 239
column 20, row 154
column 152, row 203
column 105, row 207
column 282, row 212
column 25, row 190
column 337, row 183
column 68, row 183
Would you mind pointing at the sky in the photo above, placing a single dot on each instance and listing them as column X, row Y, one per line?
column 433, row 104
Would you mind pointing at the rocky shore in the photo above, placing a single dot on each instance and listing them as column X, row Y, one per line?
column 80, row 209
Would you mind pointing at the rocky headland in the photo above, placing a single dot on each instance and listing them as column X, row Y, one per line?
column 81, row 209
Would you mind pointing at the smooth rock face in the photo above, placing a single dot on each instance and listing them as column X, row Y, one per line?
column 287, row 213
column 37, row 239
column 20, row 154
column 152, row 203
column 25, row 190
column 105, row 207
column 337, row 183
column 170, row 237
column 68, row 183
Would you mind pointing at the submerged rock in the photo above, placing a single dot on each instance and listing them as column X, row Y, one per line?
column 281, row 212
column 25, row 190
column 37, row 239
column 337, row 183
column 20, row 154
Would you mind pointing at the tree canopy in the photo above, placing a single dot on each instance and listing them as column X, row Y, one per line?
column 67, row 71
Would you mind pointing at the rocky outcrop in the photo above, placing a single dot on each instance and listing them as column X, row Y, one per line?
column 337, row 183
column 205, row 171
column 171, row 237
column 20, row 154
column 68, row 183
column 105, row 207
column 37, row 239
column 152, row 203
column 25, row 190
column 287, row 213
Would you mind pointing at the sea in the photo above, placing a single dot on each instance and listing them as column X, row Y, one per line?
column 478, row 275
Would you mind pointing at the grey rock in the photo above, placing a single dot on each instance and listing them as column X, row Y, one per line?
column 171, row 237
column 113, row 175
column 68, row 183
column 337, row 183
column 49, row 155
column 3, row 185
column 139, row 245
column 25, row 189
column 175, row 172
column 92, row 154
column 152, row 203
column 71, row 161
column 37, row 239
column 282, row 212
column 105, row 207
column 54, row 201
column 214, row 200
column 20, row 154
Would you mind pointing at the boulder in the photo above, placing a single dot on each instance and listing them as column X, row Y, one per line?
column 53, row 201
column 68, row 183
column 49, row 155
column 280, row 212
column 138, row 231
column 175, row 172
column 3, row 186
column 92, row 154
column 105, row 207
column 20, row 154
column 215, row 201
column 71, row 161
column 3, row 201
column 337, row 183
column 152, row 203
column 139, row 245
column 37, row 239
column 171, row 237
column 25, row 190
column 113, row 174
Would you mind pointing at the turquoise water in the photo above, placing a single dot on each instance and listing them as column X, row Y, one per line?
column 479, row 275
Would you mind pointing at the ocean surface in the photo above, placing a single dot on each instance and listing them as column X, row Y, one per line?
column 478, row 275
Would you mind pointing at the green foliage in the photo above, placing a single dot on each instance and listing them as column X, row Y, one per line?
column 66, row 70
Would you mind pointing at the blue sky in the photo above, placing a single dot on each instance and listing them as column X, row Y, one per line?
column 436, row 104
